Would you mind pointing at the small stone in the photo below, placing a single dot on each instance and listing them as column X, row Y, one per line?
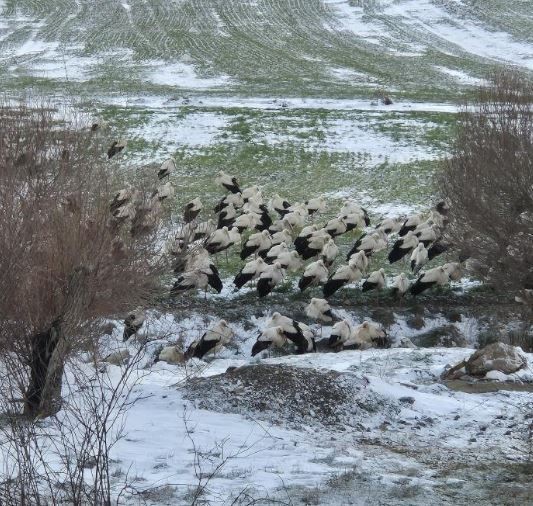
column 407, row 400
column 472, row 440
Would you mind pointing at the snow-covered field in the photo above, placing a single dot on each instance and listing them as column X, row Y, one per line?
column 418, row 437
column 289, row 90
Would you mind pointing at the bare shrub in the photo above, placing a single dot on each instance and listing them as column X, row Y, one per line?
column 66, row 261
column 66, row 458
column 488, row 181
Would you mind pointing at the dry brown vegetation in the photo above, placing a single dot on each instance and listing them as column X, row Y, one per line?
column 66, row 262
column 488, row 181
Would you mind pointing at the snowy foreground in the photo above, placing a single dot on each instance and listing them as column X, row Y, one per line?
column 405, row 439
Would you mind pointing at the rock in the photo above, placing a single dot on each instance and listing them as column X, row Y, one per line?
column 407, row 400
column 495, row 357
column 120, row 357
column 171, row 355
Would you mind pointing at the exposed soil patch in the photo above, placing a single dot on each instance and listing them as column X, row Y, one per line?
column 293, row 397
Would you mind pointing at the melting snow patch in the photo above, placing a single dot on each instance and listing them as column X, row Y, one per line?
column 183, row 75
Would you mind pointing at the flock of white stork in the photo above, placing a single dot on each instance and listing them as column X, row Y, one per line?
column 277, row 237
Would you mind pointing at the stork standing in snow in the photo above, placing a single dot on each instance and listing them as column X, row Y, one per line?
column 410, row 224
column 195, row 279
column 433, row 277
column 258, row 243
column 312, row 246
column 403, row 246
column 340, row 333
column 320, row 311
column 400, row 285
column 290, row 260
column 297, row 332
column 227, row 216
column 369, row 244
column 212, row 341
column 281, row 236
column 227, row 182
column 329, row 253
column 235, row 199
column 247, row 222
column 344, row 275
column 279, row 205
column 437, row 248
column 271, row 276
column 300, row 243
column 336, row 227
column 133, row 323
column 203, row 229
column 192, row 210
column 121, row 198
column 376, row 281
column 252, row 270
column 391, row 225
column 316, row 205
column 426, row 233
column 367, row 335
column 274, row 252
column 359, row 260
column 167, row 167
column 221, row 239
column 314, row 274
column 271, row 336
column 419, row 258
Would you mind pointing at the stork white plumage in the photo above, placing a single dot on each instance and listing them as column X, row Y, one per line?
column 282, row 236
column 271, row 276
column 270, row 337
column 247, row 222
column 167, row 167
column 403, row 246
column 376, row 281
column 340, row 333
column 367, row 335
column 316, row 205
column 419, row 258
column 433, row 277
column 329, row 252
column 290, row 260
column 274, row 252
column 314, row 274
column 344, row 275
column 227, row 182
column 212, row 341
column 400, row 284
column 252, row 270
column 319, row 310
column 258, row 243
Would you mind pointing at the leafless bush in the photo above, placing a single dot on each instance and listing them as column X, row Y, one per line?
column 66, row 261
column 66, row 459
column 488, row 181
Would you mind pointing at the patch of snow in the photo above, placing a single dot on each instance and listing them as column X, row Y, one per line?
column 462, row 77
column 183, row 75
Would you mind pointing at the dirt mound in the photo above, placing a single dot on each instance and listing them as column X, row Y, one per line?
column 292, row 396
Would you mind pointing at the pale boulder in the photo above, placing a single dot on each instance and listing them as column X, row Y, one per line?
column 495, row 357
